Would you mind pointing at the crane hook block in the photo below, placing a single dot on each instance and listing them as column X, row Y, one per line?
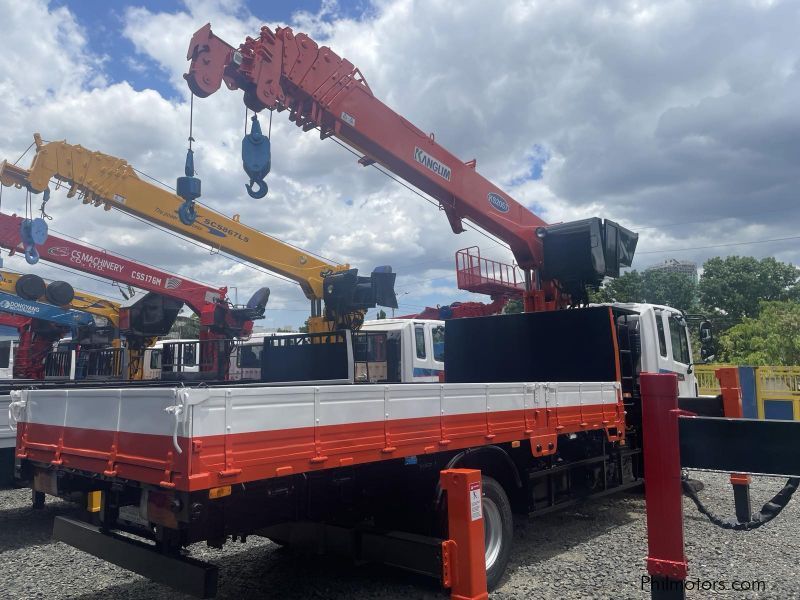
column 188, row 188
column 32, row 232
column 256, row 159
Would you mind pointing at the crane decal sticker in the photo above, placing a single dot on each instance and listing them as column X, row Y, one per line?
column 18, row 306
column 172, row 283
column 498, row 202
column 427, row 161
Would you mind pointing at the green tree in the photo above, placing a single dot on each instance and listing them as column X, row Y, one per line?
column 625, row 288
column 186, row 328
column 514, row 305
column 671, row 289
column 735, row 285
column 772, row 338
column 304, row 327
column 381, row 314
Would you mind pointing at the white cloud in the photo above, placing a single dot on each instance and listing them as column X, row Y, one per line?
column 650, row 113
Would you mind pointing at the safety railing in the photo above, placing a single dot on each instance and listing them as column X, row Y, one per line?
column 195, row 360
column 108, row 363
column 484, row 276
column 58, row 365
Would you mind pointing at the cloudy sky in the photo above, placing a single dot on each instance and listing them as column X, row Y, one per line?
column 678, row 119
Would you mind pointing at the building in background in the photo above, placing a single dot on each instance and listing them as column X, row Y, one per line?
column 672, row 265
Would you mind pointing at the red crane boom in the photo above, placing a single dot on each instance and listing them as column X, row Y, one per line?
column 279, row 70
column 202, row 299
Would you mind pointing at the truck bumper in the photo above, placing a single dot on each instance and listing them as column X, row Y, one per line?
column 181, row 573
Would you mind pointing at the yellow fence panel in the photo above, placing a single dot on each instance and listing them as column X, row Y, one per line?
column 778, row 392
column 707, row 384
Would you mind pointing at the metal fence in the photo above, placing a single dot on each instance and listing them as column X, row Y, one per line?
column 778, row 392
column 775, row 391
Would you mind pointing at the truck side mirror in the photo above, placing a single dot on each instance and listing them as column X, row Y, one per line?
column 706, row 341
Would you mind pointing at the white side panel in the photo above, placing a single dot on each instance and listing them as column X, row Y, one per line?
column 215, row 411
column 339, row 405
column 46, row 407
column 8, row 437
column 580, row 394
column 413, row 401
column 463, row 398
column 144, row 411
column 131, row 410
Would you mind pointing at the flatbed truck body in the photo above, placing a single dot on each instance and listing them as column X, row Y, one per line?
column 323, row 462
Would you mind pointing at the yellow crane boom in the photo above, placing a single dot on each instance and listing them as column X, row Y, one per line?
column 110, row 182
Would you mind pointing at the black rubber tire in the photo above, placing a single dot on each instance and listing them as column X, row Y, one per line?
column 495, row 492
column 30, row 287
column 59, row 293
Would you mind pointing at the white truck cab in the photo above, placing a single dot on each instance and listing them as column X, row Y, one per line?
column 665, row 344
column 419, row 344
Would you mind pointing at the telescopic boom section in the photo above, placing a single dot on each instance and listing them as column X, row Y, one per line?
column 113, row 183
column 279, row 70
column 77, row 256
column 104, row 180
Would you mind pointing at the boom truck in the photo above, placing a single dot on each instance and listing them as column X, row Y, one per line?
column 538, row 410
column 281, row 71
column 30, row 352
column 167, row 293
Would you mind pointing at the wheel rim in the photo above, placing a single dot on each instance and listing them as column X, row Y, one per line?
column 492, row 531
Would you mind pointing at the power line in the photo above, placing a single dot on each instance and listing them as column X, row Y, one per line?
column 783, row 239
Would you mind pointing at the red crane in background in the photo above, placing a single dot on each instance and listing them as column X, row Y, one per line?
column 218, row 319
column 279, row 70
column 36, row 337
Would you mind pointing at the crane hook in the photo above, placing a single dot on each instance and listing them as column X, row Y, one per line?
column 257, row 188
column 32, row 232
column 188, row 188
column 256, row 159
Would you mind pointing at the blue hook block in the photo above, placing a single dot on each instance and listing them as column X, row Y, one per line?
column 256, row 159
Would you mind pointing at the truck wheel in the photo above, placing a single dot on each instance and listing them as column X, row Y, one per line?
column 498, row 526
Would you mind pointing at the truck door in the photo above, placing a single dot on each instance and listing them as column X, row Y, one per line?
column 678, row 357
column 423, row 363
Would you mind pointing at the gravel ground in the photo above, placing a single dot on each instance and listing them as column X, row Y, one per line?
column 596, row 550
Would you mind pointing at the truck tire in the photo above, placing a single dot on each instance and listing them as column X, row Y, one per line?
column 498, row 525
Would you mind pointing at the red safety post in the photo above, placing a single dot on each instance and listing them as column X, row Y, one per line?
column 666, row 560
column 464, row 552
column 731, row 391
